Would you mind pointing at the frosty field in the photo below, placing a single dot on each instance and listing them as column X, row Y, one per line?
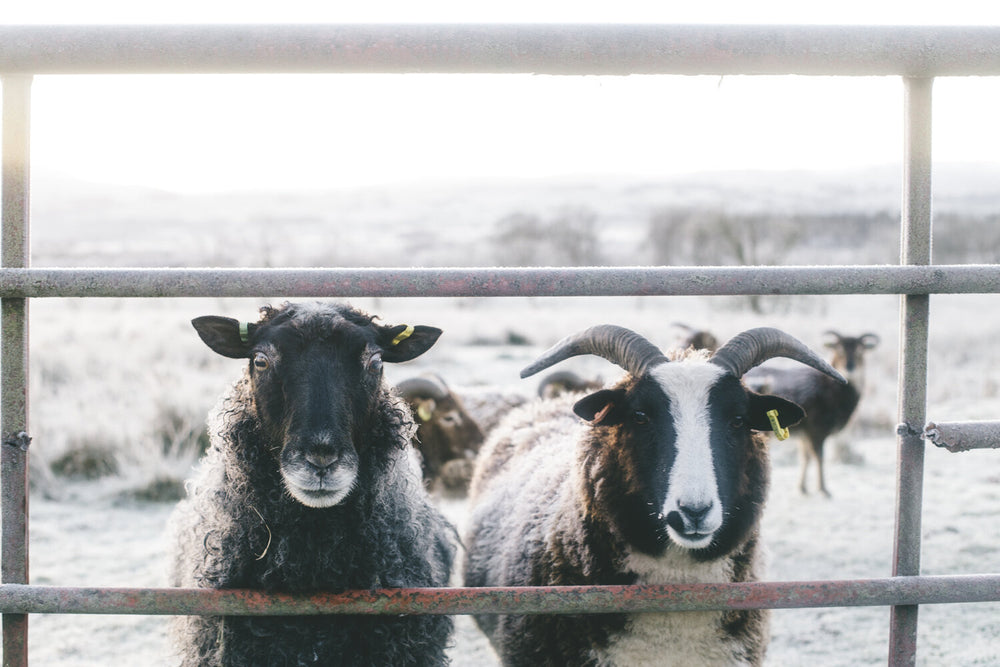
column 120, row 387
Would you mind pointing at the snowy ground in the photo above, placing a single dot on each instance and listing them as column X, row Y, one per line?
column 106, row 374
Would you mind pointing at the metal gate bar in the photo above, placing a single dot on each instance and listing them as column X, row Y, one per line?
column 516, row 600
column 533, row 49
column 14, row 360
column 963, row 436
column 914, row 317
column 458, row 282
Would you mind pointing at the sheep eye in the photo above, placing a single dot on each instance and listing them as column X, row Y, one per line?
column 261, row 362
column 640, row 417
column 737, row 423
column 375, row 364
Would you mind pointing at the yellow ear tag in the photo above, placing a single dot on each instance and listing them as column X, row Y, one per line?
column 244, row 332
column 424, row 412
column 782, row 433
column 403, row 335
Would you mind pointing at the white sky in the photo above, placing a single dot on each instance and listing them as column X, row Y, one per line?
column 206, row 132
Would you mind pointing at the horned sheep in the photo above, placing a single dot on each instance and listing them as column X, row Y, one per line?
column 310, row 485
column 663, row 481
column 829, row 405
column 447, row 436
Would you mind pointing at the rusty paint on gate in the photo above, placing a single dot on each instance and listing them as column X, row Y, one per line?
column 25, row 599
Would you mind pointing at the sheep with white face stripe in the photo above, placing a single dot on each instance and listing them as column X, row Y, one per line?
column 663, row 482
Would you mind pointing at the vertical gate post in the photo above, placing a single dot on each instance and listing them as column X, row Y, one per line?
column 14, row 359
column 915, row 241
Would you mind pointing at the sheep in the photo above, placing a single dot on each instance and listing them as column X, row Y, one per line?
column 663, row 481
column 699, row 339
column 489, row 404
column 829, row 405
column 561, row 382
column 451, row 425
column 310, row 485
column 447, row 436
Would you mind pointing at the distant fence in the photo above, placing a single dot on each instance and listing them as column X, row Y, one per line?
column 917, row 54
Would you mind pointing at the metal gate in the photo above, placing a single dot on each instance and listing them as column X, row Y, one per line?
column 918, row 55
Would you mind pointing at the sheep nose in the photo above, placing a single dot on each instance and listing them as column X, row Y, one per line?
column 321, row 460
column 695, row 514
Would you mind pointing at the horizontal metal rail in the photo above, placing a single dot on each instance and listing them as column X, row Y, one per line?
column 456, row 282
column 963, row 436
column 515, row 48
column 24, row 599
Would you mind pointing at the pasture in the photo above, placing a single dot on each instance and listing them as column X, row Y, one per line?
column 120, row 387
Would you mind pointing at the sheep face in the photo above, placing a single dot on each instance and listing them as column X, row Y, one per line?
column 447, row 436
column 691, row 471
column 849, row 354
column 316, row 373
column 446, row 431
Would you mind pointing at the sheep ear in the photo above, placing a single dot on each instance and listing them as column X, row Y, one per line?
column 404, row 342
column 789, row 414
column 224, row 335
column 599, row 407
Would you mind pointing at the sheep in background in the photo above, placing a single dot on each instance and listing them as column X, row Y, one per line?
column 829, row 405
column 488, row 405
column 447, row 436
column 663, row 481
column 565, row 382
column 699, row 339
column 310, row 485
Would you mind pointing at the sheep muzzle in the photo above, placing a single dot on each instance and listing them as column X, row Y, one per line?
column 318, row 475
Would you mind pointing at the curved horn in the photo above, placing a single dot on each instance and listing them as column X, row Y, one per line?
column 870, row 340
column 835, row 334
column 618, row 345
column 422, row 386
column 754, row 347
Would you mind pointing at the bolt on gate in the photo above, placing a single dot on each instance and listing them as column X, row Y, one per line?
column 916, row 54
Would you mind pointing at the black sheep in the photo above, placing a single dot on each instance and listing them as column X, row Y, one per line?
column 310, row 485
column 829, row 405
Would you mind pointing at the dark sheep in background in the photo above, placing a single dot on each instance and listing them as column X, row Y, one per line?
column 659, row 479
column 565, row 382
column 447, row 436
column 698, row 339
column 451, row 427
column 310, row 485
column 829, row 405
